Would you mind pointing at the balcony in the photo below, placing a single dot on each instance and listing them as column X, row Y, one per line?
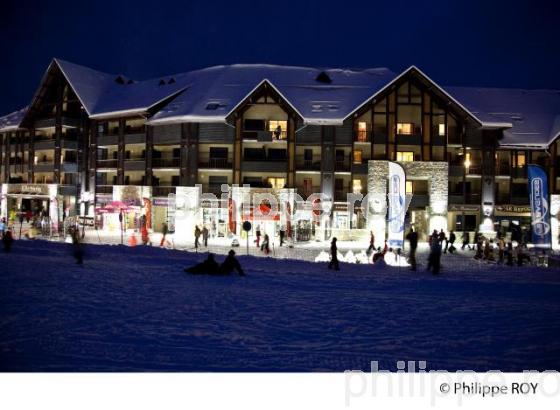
column 265, row 136
column 107, row 163
column 215, row 189
column 135, row 164
column 104, row 189
column 206, row 161
column 363, row 136
column 474, row 169
column 308, row 164
column 166, row 162
column 342, row 165
column 163, row 190
column 44, row 166
column 519, row 172
column 304, row 192
column 503, row 169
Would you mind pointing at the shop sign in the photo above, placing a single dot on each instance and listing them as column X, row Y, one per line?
column 464, row 208
column 513, row 209
column 30, row 189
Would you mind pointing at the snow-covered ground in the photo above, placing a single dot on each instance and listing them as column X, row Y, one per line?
column 133, row 309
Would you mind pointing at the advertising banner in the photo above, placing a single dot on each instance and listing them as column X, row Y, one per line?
column 397, row 208
column 540, row 208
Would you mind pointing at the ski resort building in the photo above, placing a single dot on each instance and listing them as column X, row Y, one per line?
column 89, row 140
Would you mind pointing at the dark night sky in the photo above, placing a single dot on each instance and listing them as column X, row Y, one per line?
column 486, row 43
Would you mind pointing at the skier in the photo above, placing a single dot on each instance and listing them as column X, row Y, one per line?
column 412, row 237
column 197, row 233
column 230, row 264
column 205, row 236
column 8, row 239
column 334, row 256
column 441, row 239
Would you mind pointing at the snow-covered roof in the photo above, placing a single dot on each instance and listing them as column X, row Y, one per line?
column 531, row 117
column 13, row 120
column 216, row 91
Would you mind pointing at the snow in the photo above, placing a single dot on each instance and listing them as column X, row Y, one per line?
column 12, row 120
column 133, row 309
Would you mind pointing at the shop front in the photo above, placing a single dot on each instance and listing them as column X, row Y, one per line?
column 513, row 222
column 44, row 205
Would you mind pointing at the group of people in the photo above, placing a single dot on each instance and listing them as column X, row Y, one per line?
column 211, row 267
column 198, row 233
column 507, row 253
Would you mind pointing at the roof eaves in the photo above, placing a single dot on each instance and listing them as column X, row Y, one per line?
column 88, row 111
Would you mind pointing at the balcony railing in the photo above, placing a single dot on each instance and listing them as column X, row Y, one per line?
column 166, row 162
column 163, row 190
column 265, row 135
column 215, row 189
column 342, row 164
column 107, row 163
column 503, row 168
column 104, row 189
column 214, row 162
column 362, row 136
column 308, row 164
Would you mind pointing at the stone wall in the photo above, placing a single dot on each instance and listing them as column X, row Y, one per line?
column 436, row 173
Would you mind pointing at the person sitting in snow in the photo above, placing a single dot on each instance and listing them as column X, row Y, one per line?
column 230, row 264
column 207, row 267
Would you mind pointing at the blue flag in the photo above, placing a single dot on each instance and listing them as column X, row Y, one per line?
column 540, row 207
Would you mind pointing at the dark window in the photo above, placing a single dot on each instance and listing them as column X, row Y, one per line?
column 254, row 125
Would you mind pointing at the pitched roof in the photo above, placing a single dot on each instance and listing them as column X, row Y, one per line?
column 532, row 117
column 215, row 92
column 13, row 120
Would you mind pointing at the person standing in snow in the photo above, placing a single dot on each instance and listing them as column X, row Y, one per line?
column 501, row 249
column 2, row 227
column 412, row 238
column 7, row 240
column 197, row 233
column 205, row 236
column 282, row 234
column 371, row 247
column 145, row 235
column 451, row 242
column 435, row 256
column 265, row 247
column 334, row 256
column 164, row 230
column 509, row 254
column 258, row 234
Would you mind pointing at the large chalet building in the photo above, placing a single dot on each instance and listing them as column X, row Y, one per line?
column 87, row 135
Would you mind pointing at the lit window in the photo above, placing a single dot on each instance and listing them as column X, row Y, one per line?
column 278, row 129
column 357, row 156
column 441, row 130
column 405, row 128
column 405, row 156
column 520, row 159
column 276, row 183
column 362, row 131
column 409, row 187
column 467, row 160
column 357, row 186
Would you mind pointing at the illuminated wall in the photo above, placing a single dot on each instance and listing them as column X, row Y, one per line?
column 436, row 173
